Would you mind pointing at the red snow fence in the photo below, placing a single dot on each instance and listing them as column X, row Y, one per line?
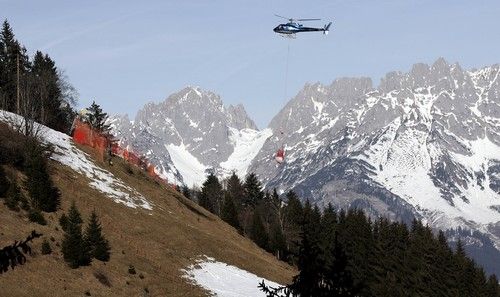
column 83, row 134
column 105, row 145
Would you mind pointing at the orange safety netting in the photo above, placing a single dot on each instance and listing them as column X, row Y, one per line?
column 83, row 134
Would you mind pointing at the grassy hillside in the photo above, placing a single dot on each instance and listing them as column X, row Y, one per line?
column 158, row 243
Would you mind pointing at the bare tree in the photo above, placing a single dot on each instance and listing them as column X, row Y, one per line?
column 30, row 106
column 68, row 92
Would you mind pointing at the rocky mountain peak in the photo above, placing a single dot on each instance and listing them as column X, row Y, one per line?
column 191, row 123
column 194, row 96
column 239, row 118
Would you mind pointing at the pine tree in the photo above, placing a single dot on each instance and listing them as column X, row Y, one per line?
column 211, row 195
column 258, row 232
column 44, row 195
column 294, row 208
column 277, row 226
column 99, row 246
column 13, row 197
column 97, row 118
column 46, row 249
column 229, row 213
column 48, row 91
column 311, row 219
column 36, row 216
column 186, row 191
column 329, row 224
column 4, row 183
column 277, row 242
column 74, row 248
column 442, row 266
column 492, row 287
column 252, row 191
column 357, row 241
column 35, row 89
column 292, row 225
column 63, row 222
column 353, row 256
column 235, row 190
column 11, row 55
column 308, row 281
column 464, row 271
column 338, row 279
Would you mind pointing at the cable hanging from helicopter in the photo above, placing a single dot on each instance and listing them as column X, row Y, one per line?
column 290, row 30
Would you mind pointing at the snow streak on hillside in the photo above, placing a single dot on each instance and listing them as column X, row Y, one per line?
column 247, row 144
column 225, row 280
column 66, row 153
column 192, row 171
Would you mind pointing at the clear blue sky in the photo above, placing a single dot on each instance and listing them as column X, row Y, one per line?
column 126, row 53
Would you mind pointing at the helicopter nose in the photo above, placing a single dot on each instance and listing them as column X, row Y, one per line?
column 275, row 29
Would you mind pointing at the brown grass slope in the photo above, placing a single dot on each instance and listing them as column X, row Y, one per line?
column 158, row 243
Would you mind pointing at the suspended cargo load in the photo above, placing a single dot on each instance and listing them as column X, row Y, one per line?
column 280, row 156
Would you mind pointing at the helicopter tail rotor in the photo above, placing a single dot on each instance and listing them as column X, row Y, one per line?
column 327, row 28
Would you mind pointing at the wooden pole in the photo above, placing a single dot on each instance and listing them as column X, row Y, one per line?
column 18, row 94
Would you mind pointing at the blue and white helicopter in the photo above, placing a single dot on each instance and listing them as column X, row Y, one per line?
column 292, row 27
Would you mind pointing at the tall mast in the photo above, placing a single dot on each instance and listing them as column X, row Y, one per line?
column 18, row 94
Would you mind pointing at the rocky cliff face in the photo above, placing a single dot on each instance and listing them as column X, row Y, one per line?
column 187, row 134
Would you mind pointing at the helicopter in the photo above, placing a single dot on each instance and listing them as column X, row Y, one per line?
column 293, row 26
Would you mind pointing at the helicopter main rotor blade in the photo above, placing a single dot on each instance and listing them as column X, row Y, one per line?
column 282, row 17
column 304, row 20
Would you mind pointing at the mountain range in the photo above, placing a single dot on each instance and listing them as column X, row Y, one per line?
column 424, row 144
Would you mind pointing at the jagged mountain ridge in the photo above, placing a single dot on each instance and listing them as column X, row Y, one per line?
column 423, row 144
column 190, row 133
column 417, row 134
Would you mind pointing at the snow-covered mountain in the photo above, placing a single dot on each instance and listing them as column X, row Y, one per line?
column 423, row 144
column 190, row 133
column 428, row 139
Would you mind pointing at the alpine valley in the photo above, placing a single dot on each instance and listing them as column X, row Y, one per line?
column 420, row 145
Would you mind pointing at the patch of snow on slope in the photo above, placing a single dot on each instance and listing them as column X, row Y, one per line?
column 247, row 144
column 165, row 172
column 329, row 125
column 406, row 174
column 225, row 280
column 66, row 153
column 482, row 151
column 424, row 101
column 377, row 153
column 480, row 199
column 318, row 107
column 192, row 170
